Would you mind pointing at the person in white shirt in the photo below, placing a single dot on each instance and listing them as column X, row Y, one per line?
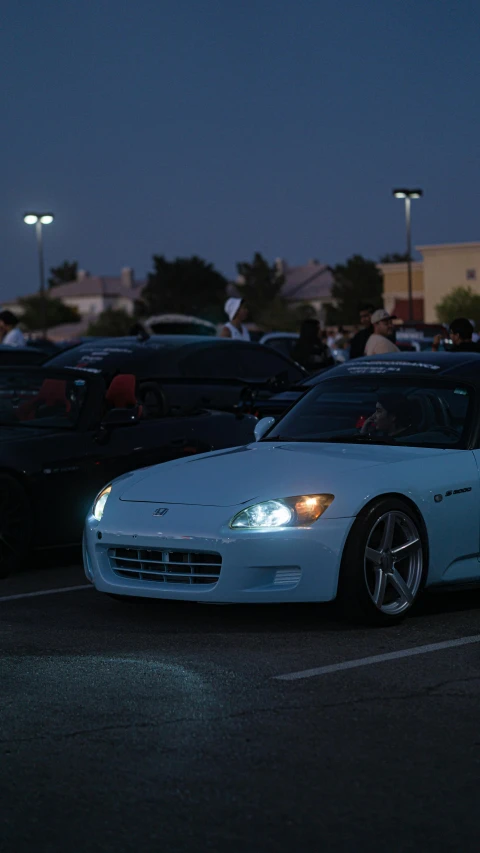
column 379, row 343
column 237, row 313
column 11, row 336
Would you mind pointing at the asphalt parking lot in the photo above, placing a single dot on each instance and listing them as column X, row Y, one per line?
column 184, row 727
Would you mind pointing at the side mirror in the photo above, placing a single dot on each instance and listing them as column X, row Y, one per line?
column 121, row 417
column 262, row 427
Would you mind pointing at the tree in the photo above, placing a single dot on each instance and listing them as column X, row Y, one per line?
column 185, row 286
column 44, row 312
column 460, row 302
column 63, row 274
column 260, row 284
column 111, row 324
column 394, row 258
column 358, row 280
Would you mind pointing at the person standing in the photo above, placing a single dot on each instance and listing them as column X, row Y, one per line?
column 461, row 336
column 12, row 336
column 359, row 341
column 379, row 342
column 237, row 313
column 310, row 351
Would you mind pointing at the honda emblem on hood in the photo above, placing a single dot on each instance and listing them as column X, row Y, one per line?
column 162, row 510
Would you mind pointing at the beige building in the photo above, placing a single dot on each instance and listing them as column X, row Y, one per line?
column 447, row 266
column 395, row 290
column 90, row 295
column 444, row 267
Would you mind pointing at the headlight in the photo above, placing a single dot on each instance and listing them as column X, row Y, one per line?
column 284, row 512
column 99, row 503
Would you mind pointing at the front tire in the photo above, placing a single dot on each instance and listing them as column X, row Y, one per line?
column 384, row 564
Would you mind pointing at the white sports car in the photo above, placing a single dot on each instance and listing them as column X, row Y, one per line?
column 366, row 490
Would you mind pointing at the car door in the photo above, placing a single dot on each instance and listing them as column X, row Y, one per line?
column 149, row 441
column 212, row 375
column 452, row 502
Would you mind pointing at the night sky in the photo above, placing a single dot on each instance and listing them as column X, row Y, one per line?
column 221, row 127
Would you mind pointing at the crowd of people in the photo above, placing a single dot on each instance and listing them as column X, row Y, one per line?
column 376, row 336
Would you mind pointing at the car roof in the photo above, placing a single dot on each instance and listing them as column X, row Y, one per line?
column 271, row 336
column 455, row 365
column 129, row 354
column 133, row 343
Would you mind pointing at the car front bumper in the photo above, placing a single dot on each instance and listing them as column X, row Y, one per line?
column 191, row 554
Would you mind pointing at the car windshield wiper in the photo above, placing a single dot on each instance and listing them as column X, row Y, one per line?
column 356, row 439
column 335, row 439
column 282, row 438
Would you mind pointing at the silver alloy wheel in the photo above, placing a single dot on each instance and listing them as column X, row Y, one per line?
column 393, row 562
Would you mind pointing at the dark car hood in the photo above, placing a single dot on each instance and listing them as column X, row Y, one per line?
column 19, row 434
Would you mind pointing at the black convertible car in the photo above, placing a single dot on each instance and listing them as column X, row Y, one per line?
column 65, row 433
column 183, row 372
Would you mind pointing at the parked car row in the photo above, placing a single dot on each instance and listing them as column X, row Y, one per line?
column 72, row 421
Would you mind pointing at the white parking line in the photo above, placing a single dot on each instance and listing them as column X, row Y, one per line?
column 353, row 664
column 45, row 592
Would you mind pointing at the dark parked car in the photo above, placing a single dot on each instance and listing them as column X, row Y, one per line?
column 184, row 372
column 65, row 434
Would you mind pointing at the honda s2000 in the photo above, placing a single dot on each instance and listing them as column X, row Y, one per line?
column 367, row 490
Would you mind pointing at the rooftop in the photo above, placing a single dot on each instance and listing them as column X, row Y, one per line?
column 87, row 285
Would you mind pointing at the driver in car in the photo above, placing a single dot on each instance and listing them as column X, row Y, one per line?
column 393, row 417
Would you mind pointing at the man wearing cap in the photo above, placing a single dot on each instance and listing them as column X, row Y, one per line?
column 379, row 343
column 237, row 313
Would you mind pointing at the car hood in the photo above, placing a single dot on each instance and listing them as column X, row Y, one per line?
column 259, row 471
column 20, row 434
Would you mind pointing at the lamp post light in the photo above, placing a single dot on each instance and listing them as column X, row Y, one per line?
column 39, row 220
column 408, row 195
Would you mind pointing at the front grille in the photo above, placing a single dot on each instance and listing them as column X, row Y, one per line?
column 154, row 564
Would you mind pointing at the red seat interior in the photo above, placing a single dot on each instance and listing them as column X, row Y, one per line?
column 52, row 393
column 121, row 393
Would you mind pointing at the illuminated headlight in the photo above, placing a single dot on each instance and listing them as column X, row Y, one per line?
column 99, row 503
column 284, row 512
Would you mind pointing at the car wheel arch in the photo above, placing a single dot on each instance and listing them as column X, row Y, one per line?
column 401, row 497
column 383, row 502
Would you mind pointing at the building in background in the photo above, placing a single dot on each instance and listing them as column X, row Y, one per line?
column 310, row 284
column 444, row 267
column 395, row 290
column 90, row 295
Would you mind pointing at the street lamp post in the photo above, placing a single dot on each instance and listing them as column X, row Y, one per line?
column 408, row 195
column 39, row 220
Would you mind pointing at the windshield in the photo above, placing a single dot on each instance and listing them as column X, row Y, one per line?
column 35, row 399
column 379, row 412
